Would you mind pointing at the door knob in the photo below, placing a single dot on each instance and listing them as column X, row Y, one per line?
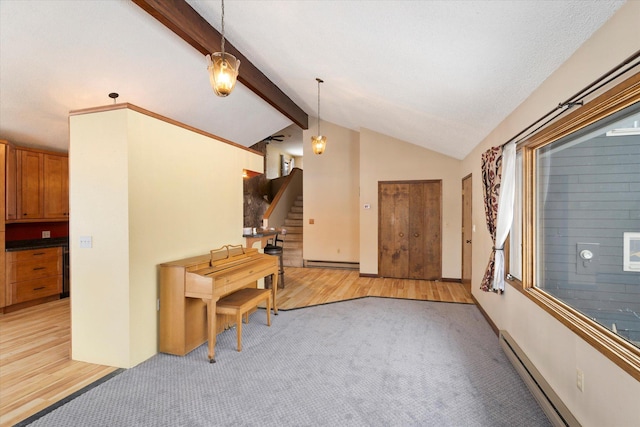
column 468, row 241
column 401, row 234
column 416, row 235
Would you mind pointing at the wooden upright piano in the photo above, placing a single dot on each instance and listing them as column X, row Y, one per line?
column 190, row 288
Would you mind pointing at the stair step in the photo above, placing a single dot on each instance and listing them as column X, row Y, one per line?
column 299, row 203
column 292, row 253
column 296, row 209
column 293, row 244
column 293, row 222
column 294, row 229
column 294, row 215
column 291, row 238
column 294, row 262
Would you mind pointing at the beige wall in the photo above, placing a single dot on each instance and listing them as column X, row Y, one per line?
column 338, row 183
column 147, row 192
column 611, row 396
column 383, row 158
column 331, row 196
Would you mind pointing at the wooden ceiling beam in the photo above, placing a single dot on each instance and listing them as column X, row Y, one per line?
column 182, row 19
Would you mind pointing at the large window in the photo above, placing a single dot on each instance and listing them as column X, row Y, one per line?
column 587, row 199
column 581, row 222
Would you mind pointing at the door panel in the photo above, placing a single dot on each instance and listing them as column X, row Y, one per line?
column 409, row 229
column 433, row 230
column 392, row 231
column 466, row 230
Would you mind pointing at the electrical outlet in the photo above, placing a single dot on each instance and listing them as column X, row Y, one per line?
column 86, row 242
column 579, row 379
column 46, row 234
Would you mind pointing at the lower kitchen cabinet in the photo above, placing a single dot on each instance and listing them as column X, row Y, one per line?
column 32, row 275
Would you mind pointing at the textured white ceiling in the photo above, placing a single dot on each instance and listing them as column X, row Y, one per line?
column 440, row 74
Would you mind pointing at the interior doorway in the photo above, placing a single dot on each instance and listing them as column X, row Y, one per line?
column 410, row 229
column 467, row 230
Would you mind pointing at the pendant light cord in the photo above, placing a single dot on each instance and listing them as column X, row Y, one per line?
column 222, row 29
column 319, row 81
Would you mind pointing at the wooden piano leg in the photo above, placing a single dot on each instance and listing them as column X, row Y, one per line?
column 211, row 329
column 274, row 289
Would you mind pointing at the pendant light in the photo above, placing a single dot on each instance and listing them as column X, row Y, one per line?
column 223, row 68
column 318, row 143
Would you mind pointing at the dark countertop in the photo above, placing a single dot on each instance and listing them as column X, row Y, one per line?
column 21, row 245
column 261, row 234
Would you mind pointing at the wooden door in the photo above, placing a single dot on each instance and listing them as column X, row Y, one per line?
column 3, row 148
column 56, row 186
column 10, row 174
column 466, row 230
column 409, row 229
column 29, row 184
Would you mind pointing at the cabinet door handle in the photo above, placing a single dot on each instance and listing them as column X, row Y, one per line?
column 401, row 234
column 39, row 268
column 41, row 287
column 416, row 235
column 39, row 253
column 468, row 241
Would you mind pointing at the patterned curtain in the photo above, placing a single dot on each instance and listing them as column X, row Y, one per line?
column 498, row 179
column 491, row 177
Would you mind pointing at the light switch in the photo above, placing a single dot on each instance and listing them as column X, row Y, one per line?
column 86, row 242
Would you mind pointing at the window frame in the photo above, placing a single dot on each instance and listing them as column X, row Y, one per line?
column 615, row 348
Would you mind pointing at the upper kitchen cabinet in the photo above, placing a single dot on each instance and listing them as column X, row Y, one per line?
column 37, row 186
column 56, row 186
column 29, row 184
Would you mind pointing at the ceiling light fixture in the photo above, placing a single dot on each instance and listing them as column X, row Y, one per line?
column 223, row 68
column 318, row 143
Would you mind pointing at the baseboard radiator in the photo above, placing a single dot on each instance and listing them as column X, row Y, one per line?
column 332, row 264
column 556, row 411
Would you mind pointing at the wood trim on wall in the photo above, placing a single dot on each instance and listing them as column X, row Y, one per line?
column 140, row 110
column 622, row 353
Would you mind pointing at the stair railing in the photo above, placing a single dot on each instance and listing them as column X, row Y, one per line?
column 285, row 197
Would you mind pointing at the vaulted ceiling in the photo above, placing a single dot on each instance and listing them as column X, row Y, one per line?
column 439, row 74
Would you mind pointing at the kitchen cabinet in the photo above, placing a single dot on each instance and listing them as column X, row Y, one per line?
column 37, row 186
column 10, row 183
column 3, row 153
column 33, row 274
column 29, row 179
column 56, row 186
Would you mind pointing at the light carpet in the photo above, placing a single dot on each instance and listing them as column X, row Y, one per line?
column 364, row 362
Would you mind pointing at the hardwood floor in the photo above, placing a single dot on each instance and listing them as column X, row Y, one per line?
column 311, row 286
column 36, row 369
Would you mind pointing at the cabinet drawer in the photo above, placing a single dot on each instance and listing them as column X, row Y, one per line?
column 20, row 271
column 32, row 289
column 34, row 254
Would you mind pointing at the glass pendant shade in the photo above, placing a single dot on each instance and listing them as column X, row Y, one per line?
column 223, row 72
column 318, row 143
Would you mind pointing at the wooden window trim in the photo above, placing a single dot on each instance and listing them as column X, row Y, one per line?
column 616, row 349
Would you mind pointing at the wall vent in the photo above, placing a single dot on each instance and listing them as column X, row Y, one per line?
column 556, row 411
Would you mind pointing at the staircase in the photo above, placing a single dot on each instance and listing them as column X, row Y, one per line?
column 292, row 249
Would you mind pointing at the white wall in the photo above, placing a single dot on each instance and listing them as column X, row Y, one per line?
column 148, row 192
column 273, row 169
column 330, row 191
column 383, row 158
column 611, row 396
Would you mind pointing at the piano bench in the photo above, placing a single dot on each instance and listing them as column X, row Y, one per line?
column 240, row 302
